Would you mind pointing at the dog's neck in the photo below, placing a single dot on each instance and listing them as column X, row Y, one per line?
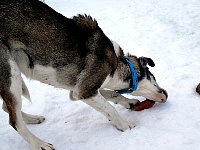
column 122, row 75
column 122, row 67
column 124, row 70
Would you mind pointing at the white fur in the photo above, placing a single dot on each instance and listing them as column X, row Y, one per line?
column 114, row 82
column 50, row 76
column 32, row 119
column 100, row 104
column 45, row 75
column 146, row 88
column 116, row 48
column 149, row 89
column 16, row 90
column 116, row 98
column 16, row 82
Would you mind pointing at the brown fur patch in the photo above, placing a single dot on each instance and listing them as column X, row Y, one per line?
column 124, row 72
column 112, row 59
column 121, row 55
column 135, row 61
column 91, row 78
column 11, row 105
column 85, row 21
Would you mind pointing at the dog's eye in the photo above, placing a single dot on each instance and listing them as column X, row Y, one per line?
column 155, row 85
column 127, row 79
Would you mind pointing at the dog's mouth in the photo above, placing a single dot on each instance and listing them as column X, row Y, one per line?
column 159, row 100
column 160, row 97
column 165, row 95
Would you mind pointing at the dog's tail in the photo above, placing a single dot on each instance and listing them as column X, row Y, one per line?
column 71, row 96
column 25, row 91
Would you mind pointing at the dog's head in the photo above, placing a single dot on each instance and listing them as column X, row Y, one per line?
column 147, row 85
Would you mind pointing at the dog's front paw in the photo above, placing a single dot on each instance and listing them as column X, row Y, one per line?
column 131, row 103
column 123, row 125
column 43, row 146
column 33, row 119
column 128, row 103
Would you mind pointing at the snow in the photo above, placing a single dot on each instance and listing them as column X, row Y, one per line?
column 166, row 31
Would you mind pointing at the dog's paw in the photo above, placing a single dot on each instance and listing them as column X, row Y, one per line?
column 131, row 103
column 38, row 119
column 128, row 103
column 32, row 119
column 123, row 125
column 43, row 146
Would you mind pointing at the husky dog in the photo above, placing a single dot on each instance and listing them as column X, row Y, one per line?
column 73, row 54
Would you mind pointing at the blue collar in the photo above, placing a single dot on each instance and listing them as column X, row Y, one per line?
column 134, row 79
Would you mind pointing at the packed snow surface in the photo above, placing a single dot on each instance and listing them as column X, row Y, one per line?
column 168, row 31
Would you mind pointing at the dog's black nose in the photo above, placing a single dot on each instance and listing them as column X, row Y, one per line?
column 165, row 92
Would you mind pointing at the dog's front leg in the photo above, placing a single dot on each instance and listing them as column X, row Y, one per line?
column 118, row 98
column 99, row 103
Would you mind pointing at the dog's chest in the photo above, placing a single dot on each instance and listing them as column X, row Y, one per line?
column 64, row 78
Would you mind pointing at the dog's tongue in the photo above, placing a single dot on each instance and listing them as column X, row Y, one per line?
column 146, row 104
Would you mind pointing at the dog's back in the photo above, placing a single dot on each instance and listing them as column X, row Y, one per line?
column 46, row 37
column 52, row 48
column 72, row 53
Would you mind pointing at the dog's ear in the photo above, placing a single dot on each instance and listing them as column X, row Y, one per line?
column 144, row 61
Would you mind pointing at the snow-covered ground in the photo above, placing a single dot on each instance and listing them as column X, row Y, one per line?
column 168, row 31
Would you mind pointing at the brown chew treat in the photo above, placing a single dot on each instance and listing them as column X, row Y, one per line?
column 198, row 89
column 143, row 105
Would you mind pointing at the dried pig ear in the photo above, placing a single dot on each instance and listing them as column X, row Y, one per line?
column 146, row 104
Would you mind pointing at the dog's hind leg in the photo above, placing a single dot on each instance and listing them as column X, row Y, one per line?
column 16, row 121
column 28, row 118
column 10, row 91
column 32, row 119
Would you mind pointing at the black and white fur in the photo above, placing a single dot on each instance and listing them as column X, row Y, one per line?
column 73, row 54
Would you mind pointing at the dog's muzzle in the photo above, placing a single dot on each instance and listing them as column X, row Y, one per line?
column 164, row 95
